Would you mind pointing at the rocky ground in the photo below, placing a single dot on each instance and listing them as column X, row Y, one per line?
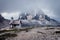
column 38, row 34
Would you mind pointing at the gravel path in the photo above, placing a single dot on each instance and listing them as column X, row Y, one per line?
column 36, row 34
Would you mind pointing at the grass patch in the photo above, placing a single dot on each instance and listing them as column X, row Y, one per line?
column 15, row 30
column 49, row 28
column 12, row 30
column 4, row 36
column 25, row 29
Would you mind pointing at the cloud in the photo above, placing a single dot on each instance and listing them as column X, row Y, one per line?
column 15, row 15
column 49, row 13
column 51, row 7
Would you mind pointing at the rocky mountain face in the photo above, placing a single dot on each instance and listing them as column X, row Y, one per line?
column 3, row 22
column 36, row 20
column 52, row 21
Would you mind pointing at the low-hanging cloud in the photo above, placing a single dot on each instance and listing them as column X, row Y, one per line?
column 53, row 6
column 9, row 15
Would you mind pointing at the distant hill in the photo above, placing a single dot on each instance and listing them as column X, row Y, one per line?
column 3, row 22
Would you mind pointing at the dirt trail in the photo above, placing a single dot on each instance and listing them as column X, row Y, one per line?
column 36, row 34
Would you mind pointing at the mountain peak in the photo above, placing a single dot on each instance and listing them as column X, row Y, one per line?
column 41, row 19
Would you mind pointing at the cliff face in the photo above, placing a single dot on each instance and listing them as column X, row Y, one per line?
column 3, row 22
column 1, row 19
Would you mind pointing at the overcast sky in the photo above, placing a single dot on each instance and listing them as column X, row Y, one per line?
column 9, row 8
